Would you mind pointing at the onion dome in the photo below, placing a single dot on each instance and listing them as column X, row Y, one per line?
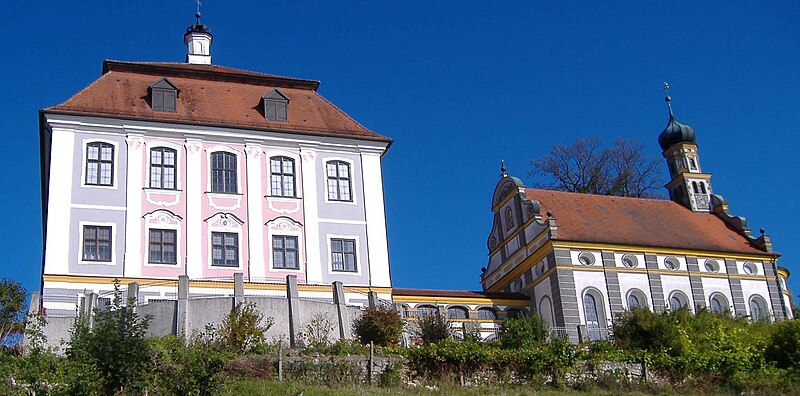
column 675, row 132
column 197, row 27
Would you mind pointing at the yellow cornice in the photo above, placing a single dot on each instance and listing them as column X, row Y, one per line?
column 459, row 300
column 526, row 264
column 515, row 233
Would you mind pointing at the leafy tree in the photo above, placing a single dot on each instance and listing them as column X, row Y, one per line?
column 783, row 346
column 587, row 167
column 114, row 346
column 433, row 328
column 12, row 307
column 523, row 332
column 182, row 369
column 380, row 325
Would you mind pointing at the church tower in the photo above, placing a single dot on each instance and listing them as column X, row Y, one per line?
column 688, row 186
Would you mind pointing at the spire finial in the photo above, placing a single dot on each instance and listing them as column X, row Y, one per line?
column 197, row 14
column 503, row 168
column 667, row 97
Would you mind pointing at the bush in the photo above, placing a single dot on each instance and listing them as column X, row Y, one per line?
column 114, row 346
column 181, row 369
column 242, row 331
column 380, row 325
column 523, row 332
column 783, row 346
column 12, row 305
column 432, row 328
column 317, row 331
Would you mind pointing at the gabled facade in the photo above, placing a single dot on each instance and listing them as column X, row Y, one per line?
column 583, row 259
column 157, row 170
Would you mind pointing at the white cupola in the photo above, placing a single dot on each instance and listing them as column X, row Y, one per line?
column 198, row 43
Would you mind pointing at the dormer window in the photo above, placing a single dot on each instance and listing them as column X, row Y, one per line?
column 163, row 95
column 275, row 106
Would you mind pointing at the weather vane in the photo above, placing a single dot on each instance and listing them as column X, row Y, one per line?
column 198, row 5
column 667, row 98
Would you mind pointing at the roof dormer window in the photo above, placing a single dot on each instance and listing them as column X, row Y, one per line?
column 275, row 106
column 163, row 95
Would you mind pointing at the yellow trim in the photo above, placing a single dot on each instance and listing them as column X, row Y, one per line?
column 526, row 264
column 515, row 233
column 458, row 300
column 783, row 272
column 207, row 284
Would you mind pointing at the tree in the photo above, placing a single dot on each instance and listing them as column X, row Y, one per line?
column 523, row 332
column 587, row 167
column 242, row 331
column 380, row 325
column 12, row 305
column 432, row 328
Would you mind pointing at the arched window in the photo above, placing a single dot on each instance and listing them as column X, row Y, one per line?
column 677, row 301
column 509, row 219
column 282, row 177
column 424, row 311
column 456, row 313
column 694, row 187
column 718, row 304
column 758, row 309
column 593, row 313
column 223, row 172
column 703, row 187
column 546, row 311
column 636, row 299
column 487, row 314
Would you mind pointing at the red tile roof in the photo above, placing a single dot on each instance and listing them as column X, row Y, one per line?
column 212, row 95
column 457, row 294
column 639, row 222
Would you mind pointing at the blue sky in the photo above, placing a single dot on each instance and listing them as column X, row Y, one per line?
column 459, row 86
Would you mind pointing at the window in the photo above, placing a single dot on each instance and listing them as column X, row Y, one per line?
column 223, row 172
column 692, row 164
column 284, row 252
column 487, row 314
column 630, row 261
column 225, row 249
column 672, row 263
column 703, row 187
column 636, row 299
column 586, row 258
column 282, row 176
column 694, row 187
column 343, row 255
column 162, row 168
column 425, row 311
column 99, row 164
column 163, row 95
column 338, row 181
column 677, row 301
column 456, row 313
column 275, row 106
column 163, row 245
column 718, row 304
column 758, row 309
column 750, row 268
column 97, row 243
column 633, row 302
column 712, row 266
column 509, row 219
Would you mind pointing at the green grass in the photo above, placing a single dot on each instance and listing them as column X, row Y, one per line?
column 263, row 387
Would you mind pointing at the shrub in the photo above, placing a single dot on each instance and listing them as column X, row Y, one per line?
column 12, row 305
column 432, row 328
column 114, row 346
column 182, row 369
column 783, row 346
column 380, row 325
column 242, row 331
column 317, row 331
column 523, row 332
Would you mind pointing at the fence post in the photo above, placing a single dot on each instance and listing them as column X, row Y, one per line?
column 238, row 289
column 34, row 308
column 370, row 363
column 89, row 304
column 132, row 294
column 183, row 306
column 341, row 310
column 583, row 334
column 292, row 296
column 372, row 298
column 280, row 361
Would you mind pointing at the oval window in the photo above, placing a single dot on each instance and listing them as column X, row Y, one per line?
column 586, row 258
column 712, row 266
column 750, row 268
column 630, row 261
column 672, row 263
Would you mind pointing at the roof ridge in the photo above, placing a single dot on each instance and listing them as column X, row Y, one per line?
column 603, row 196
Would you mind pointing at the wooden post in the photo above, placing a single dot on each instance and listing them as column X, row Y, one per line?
column 371, row 362
column 644, row 366
column 280, row 361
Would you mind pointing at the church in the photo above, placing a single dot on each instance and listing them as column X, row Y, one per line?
column 160, row 174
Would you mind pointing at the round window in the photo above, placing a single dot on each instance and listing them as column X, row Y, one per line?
column 750, row 268
column 672, row 263
column 586, row 258
column 629, row 261
column 712, row 266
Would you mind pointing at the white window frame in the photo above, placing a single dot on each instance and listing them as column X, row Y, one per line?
column 178, row 157
column 114, row 242
column 285, row 226
column 162, row 219
column 234, row 226
column 353, row 190
column 239, row 170
column 114, row 164
column 359, row 262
